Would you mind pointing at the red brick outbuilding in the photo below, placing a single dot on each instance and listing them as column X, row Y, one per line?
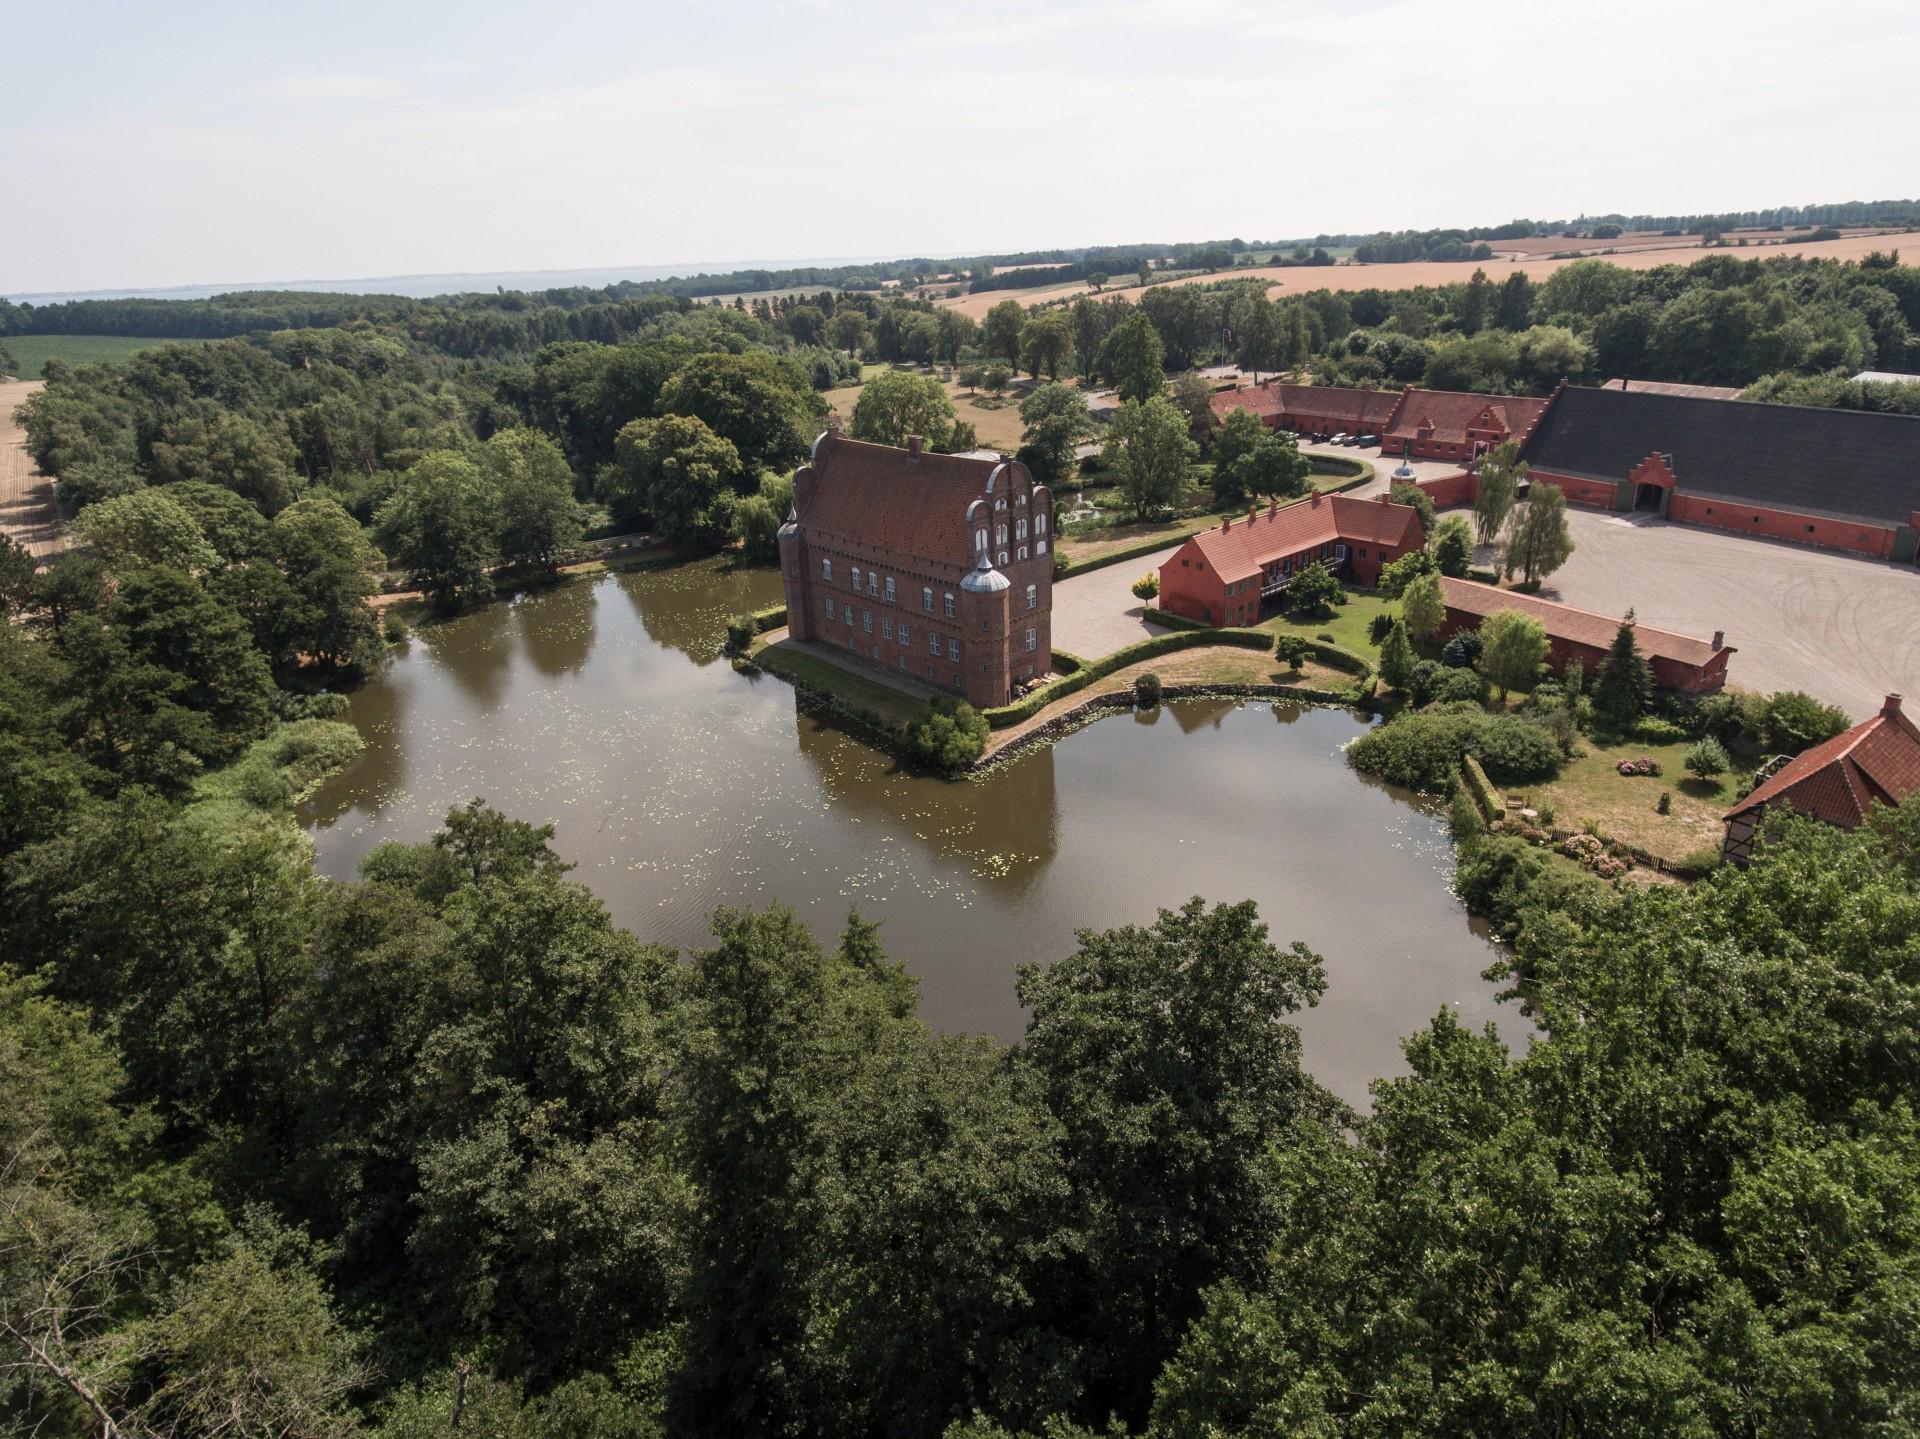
column 1679, row 662
column 1837, row 783
column 1232, row 574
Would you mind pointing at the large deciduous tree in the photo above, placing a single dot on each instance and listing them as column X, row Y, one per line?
column 1148, row 449
column 1132, row 356
column 442, row 523
column 1496, row 482
column 678, row 472
column 1538, row 541
column 1512, row 649
column 895, row 404
column 751, row 401
column 534, row 490
column 1000, row 332
column 1057, row 422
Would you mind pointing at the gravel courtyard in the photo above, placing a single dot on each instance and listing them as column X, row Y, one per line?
column 1844, row 629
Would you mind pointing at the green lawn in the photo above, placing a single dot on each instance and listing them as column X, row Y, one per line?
column 1626, row 808
column 889, row 705
column 31, row 352
column 1348, row 626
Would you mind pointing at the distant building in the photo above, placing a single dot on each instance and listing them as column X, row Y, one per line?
column 934, row 567
column 1240, row 570
column 1837, row 783
column 1679, row 662
column 1886, row 377
column 1842, row 479
column 1458, row 425
column 1313, row 410
column 1661, row 387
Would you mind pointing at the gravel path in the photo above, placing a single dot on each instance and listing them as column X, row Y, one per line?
column 27, row 510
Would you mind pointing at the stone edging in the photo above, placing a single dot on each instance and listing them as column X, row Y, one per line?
column 1086, row 712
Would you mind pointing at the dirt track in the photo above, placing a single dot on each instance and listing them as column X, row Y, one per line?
column 1298, row 280
column 27, row 510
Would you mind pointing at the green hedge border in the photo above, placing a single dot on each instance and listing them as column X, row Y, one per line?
column 1118, row 557
column 1002, row 716
column 1481, row 789
column 1332, row 656
column 769, row 618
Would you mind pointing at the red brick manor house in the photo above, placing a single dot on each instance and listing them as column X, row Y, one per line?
column 934, row 567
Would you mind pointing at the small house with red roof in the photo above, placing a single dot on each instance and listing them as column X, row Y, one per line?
column 937, row 568
column 1238, row 571
column 1458, row 426
column 1679, row 662
column 1838, row 782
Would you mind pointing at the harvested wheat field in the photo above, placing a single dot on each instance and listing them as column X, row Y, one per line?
column 27, row 510
column 1297, row 280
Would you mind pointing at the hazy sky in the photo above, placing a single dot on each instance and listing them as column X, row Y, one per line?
column 151, row 144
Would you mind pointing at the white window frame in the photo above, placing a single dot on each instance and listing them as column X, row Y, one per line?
column 933, row 643
column 949, row 604
column 1033, row 640
column 866, row 621
column 856, row 579
column 926, row 598
column 889, row 589
column 1033, row 597
column 953, row 650
column 830, row 614
column 826, row 570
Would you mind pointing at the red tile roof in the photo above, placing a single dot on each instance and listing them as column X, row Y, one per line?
column 1581, row 627
column 1246, row 546
column 881, row 497
column 1454, row 412
column 1839, row 781
column 1353, row 410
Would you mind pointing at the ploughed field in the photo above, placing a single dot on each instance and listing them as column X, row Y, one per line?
column 677, row 785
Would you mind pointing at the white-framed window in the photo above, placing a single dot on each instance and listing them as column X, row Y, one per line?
column 1033, row 641
column 1033, row 597
column 866, row 621
column 1001, row 503
column 1020, row 528
column 826, row 569
column 1040, row 523
column 1023, row 552
column 889, row 589
column 1039, row 547
column 856, row 577
column 886, row 626
column 1003, row 557
column 933, row 645
column 980, row 539
column 949, row 603
column 873, row 583
column 903, row 632
column 953, row 650
column 830, row 614
column 847, row 611
column 926, row 598
column 1000, row 534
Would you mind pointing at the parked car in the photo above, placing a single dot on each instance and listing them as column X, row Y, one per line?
column 1368, row 440
column 1340, row 439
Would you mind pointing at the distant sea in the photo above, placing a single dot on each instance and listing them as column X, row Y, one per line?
column 426, row 286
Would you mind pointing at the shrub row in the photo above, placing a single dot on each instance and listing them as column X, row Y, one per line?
column 1024, row 709
column 1067, row 662
column 770, row 618
column 1423, row 751
column 1485, row 796
column 1066, row 569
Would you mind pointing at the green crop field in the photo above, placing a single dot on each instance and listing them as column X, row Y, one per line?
column 31, row 352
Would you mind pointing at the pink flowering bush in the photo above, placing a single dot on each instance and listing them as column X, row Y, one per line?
column 1645, row 764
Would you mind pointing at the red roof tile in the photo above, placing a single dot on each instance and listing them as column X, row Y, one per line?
column 893, row 499
column 1582, row 627
column 1454, row 412
column 1352, row 410
column 1248, row 545
column 1877, row 761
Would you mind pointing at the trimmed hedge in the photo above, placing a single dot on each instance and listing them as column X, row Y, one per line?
column 1330, row 655
column 1168, row 620
column 1068, row 662
column 770, row 618
column 1025, row 709
column 1485, row 796
column 1070, row 568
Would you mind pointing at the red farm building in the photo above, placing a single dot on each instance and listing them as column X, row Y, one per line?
column 1458, row 426
column 1839, row 479
column 1838, row 783
column 1679, row 662
column 934, row 567
column 1317, row 411
column 1234, row 574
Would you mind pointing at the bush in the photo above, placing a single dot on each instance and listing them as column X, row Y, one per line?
column 1291, row 650
column 1796, row 721
column 1147, row 586
column 1395, row 577
column 1459, row 685
column 1506, row 880
column 1146, row 690
column 1706, row 758
column 1422, row 682
column 1665, row 806
column 1463, row 650
column 946, row 736
column 1650, row 730
column 1644, row 765
column 1419, row 752
column 1314, row 593
column 393, row 628
column 1381, row 625
column 740, row 632
column 1512, row 750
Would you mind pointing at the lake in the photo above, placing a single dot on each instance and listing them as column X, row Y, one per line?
column 676, row 785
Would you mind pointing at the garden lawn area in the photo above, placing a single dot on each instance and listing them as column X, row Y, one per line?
column 1623, row 807
column 1094, row 543
column 892, row 707
column 31, row 352
column 1348, row 626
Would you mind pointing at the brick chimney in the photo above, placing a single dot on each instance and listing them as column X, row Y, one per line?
column 1719, row 639
column 1253, row 513
column 1891, row 707
column 1273, row 505
column 1385, row 498
column 915, row 444
column 1316, row 497
column 1226, row 523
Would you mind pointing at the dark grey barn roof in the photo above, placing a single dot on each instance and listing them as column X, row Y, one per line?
column 1842, row 464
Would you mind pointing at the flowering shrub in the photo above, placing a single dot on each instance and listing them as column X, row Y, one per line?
column 1609, row 868
column 1645, row 764
column 1584, row 847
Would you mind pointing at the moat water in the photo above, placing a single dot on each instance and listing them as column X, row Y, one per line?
column 676, row 785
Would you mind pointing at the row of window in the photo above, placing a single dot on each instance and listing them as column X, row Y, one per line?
column 903, row 634
column 926, row 592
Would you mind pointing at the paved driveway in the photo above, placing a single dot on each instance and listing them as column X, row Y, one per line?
column 1846, row 630
column 1095, row 613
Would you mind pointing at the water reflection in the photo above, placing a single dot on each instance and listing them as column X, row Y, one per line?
column 677, row 785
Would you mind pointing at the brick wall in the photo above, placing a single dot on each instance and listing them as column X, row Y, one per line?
column 1593, row 494
column 1449, row 490
column 1802, row 529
